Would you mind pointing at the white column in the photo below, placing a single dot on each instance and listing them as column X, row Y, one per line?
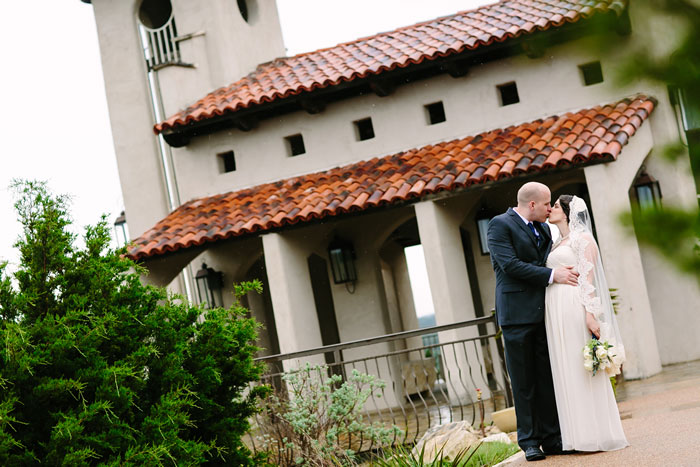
column 292, row 296
column 674, row 296
column 608, row 186
column 438, row 227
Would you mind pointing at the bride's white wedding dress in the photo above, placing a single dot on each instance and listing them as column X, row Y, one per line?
column 588, row 414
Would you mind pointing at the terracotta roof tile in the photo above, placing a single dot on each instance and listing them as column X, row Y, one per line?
column 398, row 178
column 441, row 37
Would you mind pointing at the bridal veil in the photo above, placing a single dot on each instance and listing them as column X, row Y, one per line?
column 592, row 285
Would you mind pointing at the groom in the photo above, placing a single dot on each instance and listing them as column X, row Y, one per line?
column 519, row 242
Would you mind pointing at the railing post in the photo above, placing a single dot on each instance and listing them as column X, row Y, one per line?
column 423, row 393
column 502, row 361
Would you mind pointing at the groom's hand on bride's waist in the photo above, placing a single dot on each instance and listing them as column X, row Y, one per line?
column 566, row 275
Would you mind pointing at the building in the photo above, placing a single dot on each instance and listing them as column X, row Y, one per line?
column 271, row 168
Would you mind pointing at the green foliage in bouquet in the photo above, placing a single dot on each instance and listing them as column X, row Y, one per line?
column 97, row 368
column 597, row 355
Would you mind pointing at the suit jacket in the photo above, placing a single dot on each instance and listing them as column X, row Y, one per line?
column 521, row 275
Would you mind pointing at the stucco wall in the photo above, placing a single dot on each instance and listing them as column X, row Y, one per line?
column 229, row 49
column 550, row 85
column 130, row 114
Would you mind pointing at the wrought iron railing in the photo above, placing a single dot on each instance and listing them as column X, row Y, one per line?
column 426, row 385
column 161, row 46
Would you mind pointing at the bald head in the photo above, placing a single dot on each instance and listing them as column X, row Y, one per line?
column 532, row 191
column 534, row 200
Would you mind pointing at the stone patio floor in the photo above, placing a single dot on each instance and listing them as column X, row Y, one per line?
column 661, row 418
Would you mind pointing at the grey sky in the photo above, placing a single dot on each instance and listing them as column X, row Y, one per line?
column 55, row 126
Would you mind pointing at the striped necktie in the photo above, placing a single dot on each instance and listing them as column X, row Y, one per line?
column 534, row 231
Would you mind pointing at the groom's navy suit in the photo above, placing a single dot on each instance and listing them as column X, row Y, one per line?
column 521, row 280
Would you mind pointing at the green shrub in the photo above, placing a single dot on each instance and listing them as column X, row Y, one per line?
column 312, row 422
column 97, row 368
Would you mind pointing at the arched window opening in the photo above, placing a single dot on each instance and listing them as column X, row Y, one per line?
column 248, row 10
column 155, row 14
column 159, row 38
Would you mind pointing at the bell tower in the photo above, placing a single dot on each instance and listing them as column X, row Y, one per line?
column 194, row 47
column 159, row 56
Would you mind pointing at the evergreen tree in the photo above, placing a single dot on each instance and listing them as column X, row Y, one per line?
column 99, row 369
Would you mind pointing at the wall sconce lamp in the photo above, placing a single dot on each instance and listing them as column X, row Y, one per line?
column 342, row 256
column 209, row 285
column 482, row 227
column 647, row 190
column 120, row 234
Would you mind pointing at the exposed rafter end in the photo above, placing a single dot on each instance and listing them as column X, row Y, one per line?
column 313, row 106
column 176, row 140
column 382, row 87
column 245, row 123
column 457, row 68
column 534, row 48
column 623, row 26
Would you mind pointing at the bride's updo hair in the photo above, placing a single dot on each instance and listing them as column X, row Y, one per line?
column 564, row 201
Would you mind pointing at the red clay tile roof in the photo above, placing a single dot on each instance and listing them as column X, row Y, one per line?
column 574, row 139
column 442, row 37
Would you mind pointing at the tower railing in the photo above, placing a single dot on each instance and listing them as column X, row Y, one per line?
column 161, row 46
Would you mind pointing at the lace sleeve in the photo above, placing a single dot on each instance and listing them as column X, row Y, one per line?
column 587, row 255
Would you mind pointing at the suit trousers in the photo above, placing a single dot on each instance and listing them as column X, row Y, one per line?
column 527, row 358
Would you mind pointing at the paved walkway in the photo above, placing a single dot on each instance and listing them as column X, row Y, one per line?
column 661, row 418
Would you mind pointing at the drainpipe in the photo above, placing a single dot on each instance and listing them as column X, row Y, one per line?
column 168, row 168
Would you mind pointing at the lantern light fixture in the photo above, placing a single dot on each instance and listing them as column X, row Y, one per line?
column 482, row 226
column 209, row 285
column 120, row 234
column 647, row 190
column 483, row 217
column 342, row 257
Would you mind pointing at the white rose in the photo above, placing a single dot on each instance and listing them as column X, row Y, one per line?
column 588, row 365
column 617, row 360
column 604, row 364
column 600, row 352
column 587, row 352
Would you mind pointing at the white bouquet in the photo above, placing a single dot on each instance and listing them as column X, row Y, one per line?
column 600, row 355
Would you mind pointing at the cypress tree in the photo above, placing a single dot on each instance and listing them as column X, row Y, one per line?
column 97, row 368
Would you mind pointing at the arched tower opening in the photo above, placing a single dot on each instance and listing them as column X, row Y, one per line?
column 154, row 14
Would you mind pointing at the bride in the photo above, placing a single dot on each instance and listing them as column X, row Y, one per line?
column 588, row 413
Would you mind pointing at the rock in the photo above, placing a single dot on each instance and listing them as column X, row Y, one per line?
column 492, row 430
column 505, row 419
column 488, row 430
column 449, row 440
column 497, row 437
